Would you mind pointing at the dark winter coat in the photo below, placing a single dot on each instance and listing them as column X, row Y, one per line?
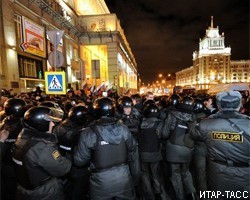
column 150, row 142
column 40, row 159
column 115, row 180
column 228, row 150
column 200, row 148
column 132, row 121
column 68, row 134
column 14, row 127
column 175, row 152
column 8, row 176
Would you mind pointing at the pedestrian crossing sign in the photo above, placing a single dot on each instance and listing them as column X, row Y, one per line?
column 55, row 83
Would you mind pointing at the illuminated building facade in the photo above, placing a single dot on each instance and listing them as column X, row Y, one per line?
column 212, row 64
column 240, row 71
column 185, row 77
column 94, row 47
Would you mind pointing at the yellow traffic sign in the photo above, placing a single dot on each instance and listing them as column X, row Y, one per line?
column 55, row 83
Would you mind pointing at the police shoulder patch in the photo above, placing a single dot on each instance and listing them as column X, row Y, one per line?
column 56, row 154
column 227, row 136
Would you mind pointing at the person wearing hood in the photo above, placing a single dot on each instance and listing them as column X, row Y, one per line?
column 110, row 149
column 180, row 147
column 227, row 137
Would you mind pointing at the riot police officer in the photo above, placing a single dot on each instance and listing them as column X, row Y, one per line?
column 131, row 117
column 110, row 149
column 149, row 143
column 14, row 110
column 200, row 151
column 68, row 132
column 179, row 148
column 38, row 161
column 173, row 100
column 128, row 114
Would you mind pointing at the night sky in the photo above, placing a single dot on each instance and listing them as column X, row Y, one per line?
column 163, row 34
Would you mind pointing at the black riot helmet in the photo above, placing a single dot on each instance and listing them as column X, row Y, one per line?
column 104, row 107
column 151, row 110
column 198, row 105
column 174, row 100
column 67, row 105
column 55, row 106
column 15, row 107
column 39, row 117
column 148, row 101
column 79, row 115
column 124, row 102
column 186, row 103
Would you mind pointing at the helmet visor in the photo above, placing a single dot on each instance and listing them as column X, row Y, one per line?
column 55, row 115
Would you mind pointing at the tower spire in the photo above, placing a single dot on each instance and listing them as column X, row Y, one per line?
column 212, row 21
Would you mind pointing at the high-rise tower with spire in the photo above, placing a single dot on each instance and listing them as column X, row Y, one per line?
column 212, row 61
column 212, row 64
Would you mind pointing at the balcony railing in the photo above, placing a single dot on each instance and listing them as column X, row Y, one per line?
column 55, row 10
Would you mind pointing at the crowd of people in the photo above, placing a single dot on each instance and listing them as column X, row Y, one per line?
column 80, row 147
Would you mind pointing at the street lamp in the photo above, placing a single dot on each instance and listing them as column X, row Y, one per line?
column 160, row 75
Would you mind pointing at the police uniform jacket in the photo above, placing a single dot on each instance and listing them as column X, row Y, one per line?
column 150, row 136
column 115, row 178
column 200, row 148
column 8, row 176
column 178, row 149
column 14, row 127
column 228, row 149
column 164, row 112
column 39, row 166
column 68, row 134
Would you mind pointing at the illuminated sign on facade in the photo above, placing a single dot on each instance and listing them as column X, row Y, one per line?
column 33, row 40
